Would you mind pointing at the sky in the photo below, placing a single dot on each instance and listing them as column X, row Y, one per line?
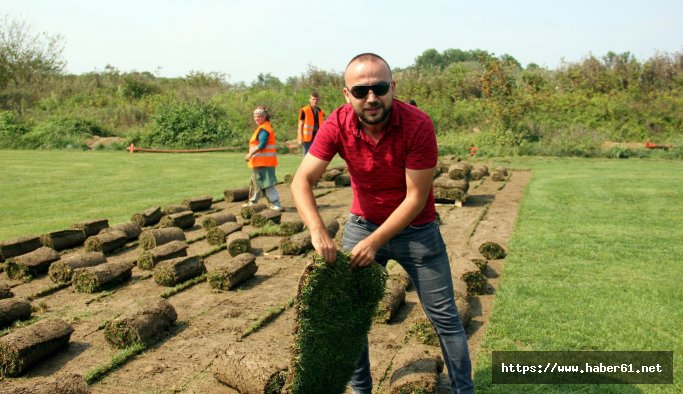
column 244, row 38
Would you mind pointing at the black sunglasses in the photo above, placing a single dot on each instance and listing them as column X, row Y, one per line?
column 362, row 91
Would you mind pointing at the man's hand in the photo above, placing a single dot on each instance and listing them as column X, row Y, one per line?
column 363, row 254
column 324, row 245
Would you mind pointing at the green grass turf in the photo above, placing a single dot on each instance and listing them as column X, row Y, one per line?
column 43, row 191
column 594, row 263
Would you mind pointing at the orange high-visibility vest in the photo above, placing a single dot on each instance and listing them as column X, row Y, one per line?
column 309, row 122
column 266, row 157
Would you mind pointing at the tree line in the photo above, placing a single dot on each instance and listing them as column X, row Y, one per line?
column 476, row 98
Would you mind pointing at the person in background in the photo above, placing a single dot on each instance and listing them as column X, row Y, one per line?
column 262, row 159
column 390, row 150
column 310, row 119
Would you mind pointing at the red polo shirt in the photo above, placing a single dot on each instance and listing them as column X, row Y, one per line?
column 378, row 178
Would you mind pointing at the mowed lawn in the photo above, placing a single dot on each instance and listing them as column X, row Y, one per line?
column 595, row 263
column 43, row 191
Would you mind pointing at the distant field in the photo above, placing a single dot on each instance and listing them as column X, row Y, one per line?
column 45, row 191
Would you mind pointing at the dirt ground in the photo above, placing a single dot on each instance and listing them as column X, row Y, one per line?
column 208, row 319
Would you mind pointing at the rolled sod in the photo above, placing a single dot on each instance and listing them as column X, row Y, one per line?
column 5, row 291
column 217, row 235
column 499, row 174
column 445, row 182
column 12, row 309
column 394, row 297
column 492, row 251
column 335, row 306
column 291, row 227
column 91, row 227
column 399, row 274
column 415, row 370
column 19, row 246
column 238, row 243
column 296, row 244
column 449, row 196
column 29, row 265
column 201, row 203
column 459, row 170
column 148, row 259
column 131, row 229
column 331, row 174
column 27, row 346
column 151, row 238
column 106, row 242
column 343, row 180
column 61, row 271
column 266, row 216
column 181, row 219
column 144, row 325
column 479, row 172
column 216, row 219
column 92, row 279
column 148, row 217
column 171, row 209
column 63, row 239
column 301, row 242
column 249, row 211
column 249, row 371
column 235, row 195
column 63, row 383
column 177, row 270
column 231, row 272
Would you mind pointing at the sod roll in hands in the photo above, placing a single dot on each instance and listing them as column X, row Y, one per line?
column 335, row 306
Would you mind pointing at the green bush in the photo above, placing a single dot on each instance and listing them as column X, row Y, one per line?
column 178, row 124
column 62, row 132
column 12, row 130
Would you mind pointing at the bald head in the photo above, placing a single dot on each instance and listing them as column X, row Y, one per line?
column 363, row 58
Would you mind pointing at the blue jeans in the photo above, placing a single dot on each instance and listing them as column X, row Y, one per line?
column 422, row 253
column 306, row 146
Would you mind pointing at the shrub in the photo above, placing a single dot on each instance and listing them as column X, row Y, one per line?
column 62, row 132
column 177, row 124
column 12, row 130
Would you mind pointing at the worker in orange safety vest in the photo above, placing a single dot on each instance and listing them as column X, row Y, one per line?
column 262, row 159
column 310, row 119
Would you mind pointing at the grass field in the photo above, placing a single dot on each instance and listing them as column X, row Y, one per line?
column 594, row 262
column 44, row 191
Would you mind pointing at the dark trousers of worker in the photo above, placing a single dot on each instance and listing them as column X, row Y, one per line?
column 422, row 253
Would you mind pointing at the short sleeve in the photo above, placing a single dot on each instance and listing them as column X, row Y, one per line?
column 424, row 150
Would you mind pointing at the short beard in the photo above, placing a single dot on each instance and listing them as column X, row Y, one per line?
column 364, row 119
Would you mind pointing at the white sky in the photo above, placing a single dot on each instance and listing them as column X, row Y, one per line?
column 242, row 38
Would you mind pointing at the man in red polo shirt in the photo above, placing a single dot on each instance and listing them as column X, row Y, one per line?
column 390, row 150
